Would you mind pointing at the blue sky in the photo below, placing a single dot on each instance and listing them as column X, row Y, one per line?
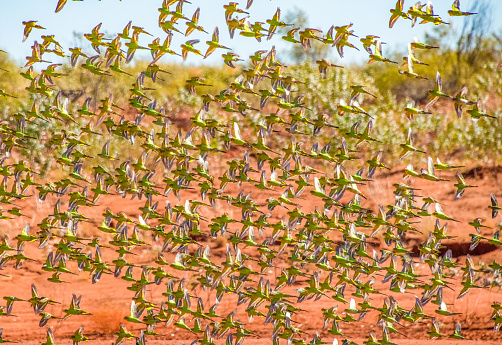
column 368, row 16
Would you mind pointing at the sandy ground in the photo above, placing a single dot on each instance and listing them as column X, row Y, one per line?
column 109, row 300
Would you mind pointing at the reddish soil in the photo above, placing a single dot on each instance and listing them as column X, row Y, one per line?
column 109, row 300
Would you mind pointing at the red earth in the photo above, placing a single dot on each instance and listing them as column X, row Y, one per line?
column 109, row 301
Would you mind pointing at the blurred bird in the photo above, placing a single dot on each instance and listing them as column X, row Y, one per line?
column 29, row 26
column 377, row 56
column 437, row 92
column 323, row 67
column 397, row 13
column 456, row 12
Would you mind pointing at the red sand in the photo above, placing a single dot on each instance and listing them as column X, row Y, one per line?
column 109, row 300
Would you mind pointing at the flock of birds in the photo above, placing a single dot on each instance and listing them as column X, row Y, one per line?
column 301, row 246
